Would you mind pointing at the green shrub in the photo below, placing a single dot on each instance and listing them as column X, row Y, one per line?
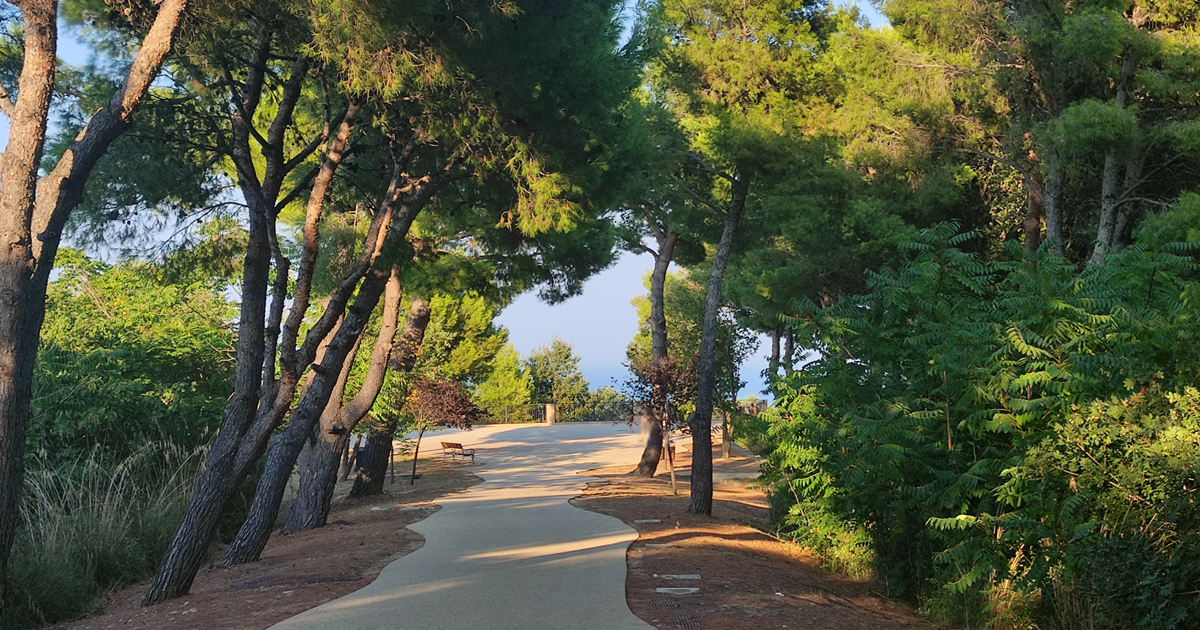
column 943, row 423
column 1130, row 541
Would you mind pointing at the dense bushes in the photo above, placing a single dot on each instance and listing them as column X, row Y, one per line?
column 128, row 357
column 133, row 371
column 982, row 433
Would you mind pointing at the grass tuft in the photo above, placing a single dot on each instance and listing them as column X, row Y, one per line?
column 90, row 525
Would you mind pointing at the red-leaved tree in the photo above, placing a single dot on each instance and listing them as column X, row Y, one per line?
column 437, row 401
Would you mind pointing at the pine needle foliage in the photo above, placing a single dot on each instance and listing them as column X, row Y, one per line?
column 973, row 427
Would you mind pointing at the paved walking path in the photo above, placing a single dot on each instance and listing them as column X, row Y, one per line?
column 510, row 553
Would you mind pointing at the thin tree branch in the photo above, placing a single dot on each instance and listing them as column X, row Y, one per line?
column 1025, row 174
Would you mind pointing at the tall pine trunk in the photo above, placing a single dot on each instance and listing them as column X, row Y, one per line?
column 1032, row 225
column 373, row 461
column 254, row 409
column 285, row 446
column 1110, row 193
column 773, row 359
column 377, row 452
column 319, row 459
column 1051, row 208
column 701, row 420
column 648, row 465
column 667, row 238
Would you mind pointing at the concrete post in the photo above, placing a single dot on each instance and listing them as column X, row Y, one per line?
column 551, row 412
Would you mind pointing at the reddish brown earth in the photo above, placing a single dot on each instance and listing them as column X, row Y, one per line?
column 750, row 581
column 300, row 571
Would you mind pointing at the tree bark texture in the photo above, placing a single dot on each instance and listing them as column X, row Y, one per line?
column 284, row 447
column 22, row 304
column 412, row 477
column 241, row 438
column 666, row 238
column 348, row 457
column 319, row 459
column 773, row 359
column 1051, row 194
column 34, row 210
column 701, row 420
column 1032, row 224
column 373, row 460
column 789, row 351
column 377, row 451
column 1110, row 193
column 648, row 465
column 387, row 227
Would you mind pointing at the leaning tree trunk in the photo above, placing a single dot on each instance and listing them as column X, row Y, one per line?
column 667, row 238
column 254, row 410
column 412, row 477
column 22, row 302
column 789, row 351
column 348, row 456
column 373, row 461
column 1032, row 224
column 773, row 359
column 285, row 446
column 377, row 452
column 319, row 460
column 33, row 212
column 701, row 419
column 653, row 451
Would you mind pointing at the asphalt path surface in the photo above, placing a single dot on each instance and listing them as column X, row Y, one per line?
column 510, row 553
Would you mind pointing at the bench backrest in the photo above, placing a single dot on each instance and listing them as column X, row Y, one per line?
column 451, row 445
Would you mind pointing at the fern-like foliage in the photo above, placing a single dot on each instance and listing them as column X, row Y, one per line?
column 927, row 423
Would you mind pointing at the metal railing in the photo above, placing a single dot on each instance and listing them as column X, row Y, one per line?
column 513, row 414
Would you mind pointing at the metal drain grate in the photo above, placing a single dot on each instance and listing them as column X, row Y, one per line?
column 687, row 622
column 665, row 603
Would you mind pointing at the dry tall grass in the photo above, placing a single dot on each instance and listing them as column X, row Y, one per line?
column 91, row 525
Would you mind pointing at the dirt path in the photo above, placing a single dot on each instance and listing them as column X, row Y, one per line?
column 748, row 580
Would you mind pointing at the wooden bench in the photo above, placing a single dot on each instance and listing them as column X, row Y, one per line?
column 454, row 449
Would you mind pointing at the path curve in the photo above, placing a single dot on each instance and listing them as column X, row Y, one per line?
column 510, row 553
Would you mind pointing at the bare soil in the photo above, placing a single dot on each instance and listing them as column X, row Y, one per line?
column 749, row 580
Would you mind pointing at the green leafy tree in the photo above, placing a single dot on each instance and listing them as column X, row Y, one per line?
column 555, row 377
column 684, row 305
column 1096, row 111
column 127, row 358
column 437, row 402
column 507, row 385
column 461, row 133
column 736, row 77
column 37, row 199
